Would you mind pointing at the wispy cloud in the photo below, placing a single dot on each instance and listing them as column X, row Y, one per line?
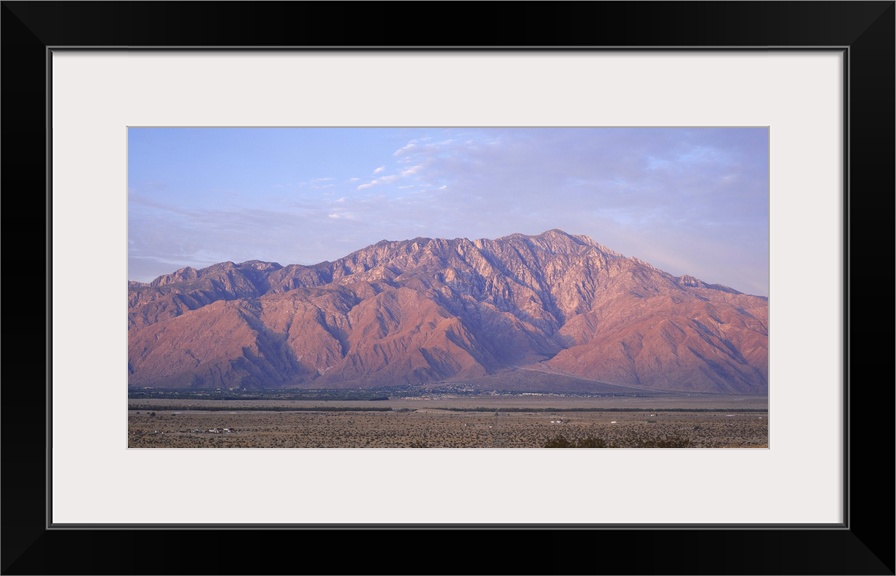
column 406, row 148
column 412, row 170
column 383, row 180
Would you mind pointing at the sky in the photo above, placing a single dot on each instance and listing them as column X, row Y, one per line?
column 687, row 200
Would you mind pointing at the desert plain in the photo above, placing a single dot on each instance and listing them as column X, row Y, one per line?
column 517, row 421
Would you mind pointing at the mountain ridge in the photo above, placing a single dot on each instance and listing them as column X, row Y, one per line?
column 425, row 310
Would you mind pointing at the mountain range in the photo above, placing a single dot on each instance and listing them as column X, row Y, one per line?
column 552, row 312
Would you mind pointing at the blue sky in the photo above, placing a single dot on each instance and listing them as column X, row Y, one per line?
column 689, row 201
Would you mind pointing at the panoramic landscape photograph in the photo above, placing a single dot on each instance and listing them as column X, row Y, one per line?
column 448, row 287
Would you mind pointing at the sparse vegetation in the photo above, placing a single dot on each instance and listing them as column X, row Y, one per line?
column 419, row 423
column 634, row 440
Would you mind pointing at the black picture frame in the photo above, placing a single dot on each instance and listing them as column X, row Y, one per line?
column 864, row 31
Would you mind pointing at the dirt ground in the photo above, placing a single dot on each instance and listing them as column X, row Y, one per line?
column 444, row 424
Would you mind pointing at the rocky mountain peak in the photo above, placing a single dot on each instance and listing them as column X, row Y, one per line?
column 690, row 281
column 181, row 275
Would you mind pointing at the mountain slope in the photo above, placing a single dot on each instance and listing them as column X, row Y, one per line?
column 427, row 310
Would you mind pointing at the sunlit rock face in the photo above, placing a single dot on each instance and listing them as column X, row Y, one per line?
column 553, row 311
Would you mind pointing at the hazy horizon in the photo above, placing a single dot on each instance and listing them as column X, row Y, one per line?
column 688, row 201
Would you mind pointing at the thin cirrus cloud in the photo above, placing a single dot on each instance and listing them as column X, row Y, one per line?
column 689, row 201
column 409, row 147
column 383, row 180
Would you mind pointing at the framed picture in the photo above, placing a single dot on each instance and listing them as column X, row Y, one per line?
column 424, row 293
column 818, row 76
